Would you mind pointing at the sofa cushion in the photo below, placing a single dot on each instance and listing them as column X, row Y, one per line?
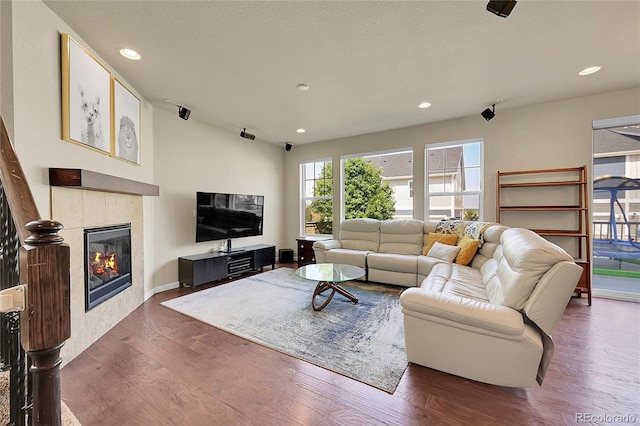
column 456, row 280
column 485, row 252
column 443, row 251
column 347, row 257
column 425, row 265
column 401, row 236
column 522, row 259
column 468, row 248
column 432, row 237
column 360, row 234
column 393, row 262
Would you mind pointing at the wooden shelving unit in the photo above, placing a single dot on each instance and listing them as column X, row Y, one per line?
column 566, row 190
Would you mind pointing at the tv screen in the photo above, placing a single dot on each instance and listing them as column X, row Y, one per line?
column 223, row 216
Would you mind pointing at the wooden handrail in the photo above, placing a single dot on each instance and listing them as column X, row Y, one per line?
column 21, row 203
column 45, row 322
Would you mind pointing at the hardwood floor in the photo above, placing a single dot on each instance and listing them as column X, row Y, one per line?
column 159, row 367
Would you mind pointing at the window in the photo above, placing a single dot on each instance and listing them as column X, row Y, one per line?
column 378, row 185
column 317, row 197
column 454, row 180
column 616, row 208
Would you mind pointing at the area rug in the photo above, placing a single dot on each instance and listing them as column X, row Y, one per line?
column 363, row 341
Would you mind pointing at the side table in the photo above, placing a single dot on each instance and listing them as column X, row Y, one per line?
column 306, row 256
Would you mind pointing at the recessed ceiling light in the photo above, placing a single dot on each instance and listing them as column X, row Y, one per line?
column 300, row 130
column 130, row 54
column 303, row 87
column 589, row 70
column 424, row 105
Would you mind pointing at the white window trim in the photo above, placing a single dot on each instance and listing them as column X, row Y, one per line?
column 343, row 158
column 628, row 120
column 429, row 194
column 303, row 198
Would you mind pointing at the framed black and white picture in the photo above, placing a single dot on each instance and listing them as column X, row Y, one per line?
column 126, row 123
column 86, row 98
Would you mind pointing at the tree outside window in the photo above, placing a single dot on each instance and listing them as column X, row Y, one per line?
column 366, row 195
column 318, row 198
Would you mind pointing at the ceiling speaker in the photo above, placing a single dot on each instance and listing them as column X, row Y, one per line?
column 247, row 135
column 183, row 112
column 489, row 113
column 500, row 7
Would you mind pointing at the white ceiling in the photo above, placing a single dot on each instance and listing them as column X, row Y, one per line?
column 368, row 63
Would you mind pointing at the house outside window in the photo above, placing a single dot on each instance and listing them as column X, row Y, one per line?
column 317, row 197
column 378, row 185
column 454, row 180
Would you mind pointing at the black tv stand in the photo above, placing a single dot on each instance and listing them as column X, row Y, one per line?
column 208, row 267
column 233, row 250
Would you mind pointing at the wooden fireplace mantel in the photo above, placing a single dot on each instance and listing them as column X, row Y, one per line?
column 94, row 181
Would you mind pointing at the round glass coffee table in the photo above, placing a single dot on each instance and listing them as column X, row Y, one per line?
column 329, row 275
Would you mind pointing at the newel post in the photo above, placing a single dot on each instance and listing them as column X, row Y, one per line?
column 46, row 320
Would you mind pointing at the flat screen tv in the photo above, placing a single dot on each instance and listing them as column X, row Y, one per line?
column 224, row 216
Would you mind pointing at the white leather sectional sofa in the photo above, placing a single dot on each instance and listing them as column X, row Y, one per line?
column 489, row 320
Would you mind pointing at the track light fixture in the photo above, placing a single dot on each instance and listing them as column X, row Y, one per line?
column 246, row 135
column 489, row 113
column 183, row 112
column 501, row 8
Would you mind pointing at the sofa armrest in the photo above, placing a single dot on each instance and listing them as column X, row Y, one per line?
column 320, row 249
column 552, row 294
column 327, row 244
column 467, row 312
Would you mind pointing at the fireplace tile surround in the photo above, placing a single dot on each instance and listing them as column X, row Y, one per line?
column 78, row 209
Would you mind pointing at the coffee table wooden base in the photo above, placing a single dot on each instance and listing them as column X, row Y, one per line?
column 324, row 286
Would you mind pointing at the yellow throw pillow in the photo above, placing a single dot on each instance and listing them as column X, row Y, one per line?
column 432, row 237
column 468, row 248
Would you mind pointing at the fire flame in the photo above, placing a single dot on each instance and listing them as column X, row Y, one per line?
column 104, row 264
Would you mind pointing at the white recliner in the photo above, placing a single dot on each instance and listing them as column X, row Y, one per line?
column 396, row 260
column 357, row 239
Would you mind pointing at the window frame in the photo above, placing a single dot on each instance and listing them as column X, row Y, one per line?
column 304, row 198
column 343, row 158
column 427, row 192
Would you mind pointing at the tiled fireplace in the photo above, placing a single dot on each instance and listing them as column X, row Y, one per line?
column 103, row 226
column 79, row 210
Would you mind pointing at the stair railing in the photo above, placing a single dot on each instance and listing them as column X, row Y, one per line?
column 41, row 295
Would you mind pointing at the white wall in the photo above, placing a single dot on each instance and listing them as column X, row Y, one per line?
column 37, row 114
column 549, row 135
column 179, row 156
column 192, row 156
column 6, row 64
column 31, row 105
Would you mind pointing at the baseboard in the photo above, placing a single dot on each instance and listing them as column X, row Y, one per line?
column 160, row 289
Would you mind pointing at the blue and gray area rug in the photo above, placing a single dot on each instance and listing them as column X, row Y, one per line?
column 363, row 341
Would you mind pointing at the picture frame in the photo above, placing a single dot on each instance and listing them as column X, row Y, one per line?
column 86, row 98
column 126, row 124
